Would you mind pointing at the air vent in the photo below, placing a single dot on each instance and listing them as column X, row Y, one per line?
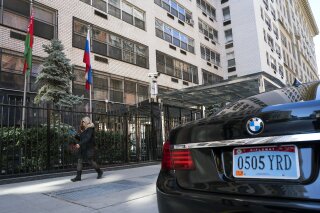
column 229, row 45
column 174, row 80
column 101, row 59
column 206, row 38
column 181, row 22
column 102, row 15
column 185, row 83
column 209, row 64
column 17, row 36
column 170, row 16
column 183, row 52
column 211, row 19
column 213, row 42
column 231, row 69
column 203, row 13
column 216, row 67
column 226, row 23
column 172, row 47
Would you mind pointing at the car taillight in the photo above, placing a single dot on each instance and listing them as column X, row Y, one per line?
column 180, row 159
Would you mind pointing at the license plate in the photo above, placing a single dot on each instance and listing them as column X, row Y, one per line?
column 269, row 162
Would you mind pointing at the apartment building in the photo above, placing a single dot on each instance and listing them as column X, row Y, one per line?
column 189, row 42
column 270, row 36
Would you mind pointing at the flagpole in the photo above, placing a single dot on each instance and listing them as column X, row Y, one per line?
column 90, row 90
column 25, row 87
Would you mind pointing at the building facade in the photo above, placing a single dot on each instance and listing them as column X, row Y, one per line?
column 189, row 42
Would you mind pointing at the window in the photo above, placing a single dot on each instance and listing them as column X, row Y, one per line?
column 226, row 14
column 114, row 8
column 142, row 92
column 116, row 90
column 268, row 22
column 228, row 35
column 16, row 15
column 208, row 31
column 210, row 55
column 231, row 59
column 176, row 68
column 207, row 8
column 129, row 13
column 270, row 41
column 100, row 4
column 275, row 31
column 176, row 9
column 11, row 76
column 130, row 92
column 278, row 50
column 273, row 64
column 261, row 13
column 174, row 36
column 109, row 44
column 210, row 78
column 273, row 13
column 100, row 86
column 283, row 39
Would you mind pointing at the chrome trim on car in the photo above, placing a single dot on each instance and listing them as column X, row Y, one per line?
column 252, row 141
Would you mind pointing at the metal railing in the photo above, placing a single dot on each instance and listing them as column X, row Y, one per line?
column 43, row 146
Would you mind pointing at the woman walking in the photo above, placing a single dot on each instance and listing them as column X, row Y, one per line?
column 86, row 148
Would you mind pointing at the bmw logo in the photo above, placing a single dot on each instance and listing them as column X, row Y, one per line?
column 255, row 126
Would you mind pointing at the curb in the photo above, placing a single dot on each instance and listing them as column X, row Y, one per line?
column 70, row 173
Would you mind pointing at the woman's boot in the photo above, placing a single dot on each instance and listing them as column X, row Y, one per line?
column 78, row 177
column 100, row 172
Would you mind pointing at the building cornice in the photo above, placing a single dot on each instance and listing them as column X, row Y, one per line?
column 306, row 7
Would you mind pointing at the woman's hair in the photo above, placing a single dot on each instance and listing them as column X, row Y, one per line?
column 87, row 123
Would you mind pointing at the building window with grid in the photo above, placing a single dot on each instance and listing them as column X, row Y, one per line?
column 210, row 78
column 278, row 50
column 275, row 31
column 11, row 76
column 207, row 8
column 116, row 90
column 208, row 31
column 226, row 14
column 120, row 9
column 79, row 82
column 210, row 55
column 176, row 10
column 15, row 14
column 231, row 59
column 228, row 36
column 273, row 64
column 109, row 44
column 130, row 92
column 281, row 70
column 142, row 92
column 174, row 36
column 176, row 68
column 268, row 22
column 100, row 86
column 270, row 42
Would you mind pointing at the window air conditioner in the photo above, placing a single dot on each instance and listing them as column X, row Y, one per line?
column 190, row 21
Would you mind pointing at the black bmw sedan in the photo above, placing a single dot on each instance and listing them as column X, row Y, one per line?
column 259, row 154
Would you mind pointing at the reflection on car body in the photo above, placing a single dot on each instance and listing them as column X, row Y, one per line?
column 259, row 154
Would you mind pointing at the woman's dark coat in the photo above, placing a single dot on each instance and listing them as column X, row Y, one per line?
column 87, row 143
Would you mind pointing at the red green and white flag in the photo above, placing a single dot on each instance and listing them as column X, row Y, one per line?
column 28, row 47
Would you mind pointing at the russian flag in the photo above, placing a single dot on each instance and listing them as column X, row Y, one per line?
column 86, row 60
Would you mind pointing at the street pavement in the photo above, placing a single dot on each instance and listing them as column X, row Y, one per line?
column 128, row 190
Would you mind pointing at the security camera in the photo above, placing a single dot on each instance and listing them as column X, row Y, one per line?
column 153, row 75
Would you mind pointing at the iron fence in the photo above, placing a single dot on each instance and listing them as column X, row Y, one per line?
column 123, row 135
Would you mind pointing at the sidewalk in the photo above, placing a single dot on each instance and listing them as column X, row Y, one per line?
column 128, row 190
